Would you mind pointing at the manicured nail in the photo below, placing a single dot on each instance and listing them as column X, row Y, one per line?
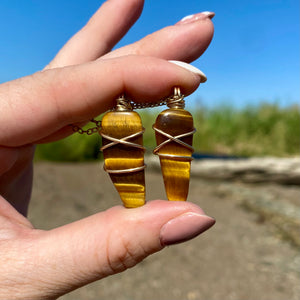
column 184, row 228
column 190, row 68
column 196, row 17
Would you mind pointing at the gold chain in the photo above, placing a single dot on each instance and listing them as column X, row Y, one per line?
column 88, row 131
column 176, row 97
column 148, row 105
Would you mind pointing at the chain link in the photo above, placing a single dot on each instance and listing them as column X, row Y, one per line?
column 148, row 105
column 134, row 105
column 88, row 131
column 95, row 129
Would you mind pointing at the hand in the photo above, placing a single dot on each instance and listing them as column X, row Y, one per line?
column 80, row 83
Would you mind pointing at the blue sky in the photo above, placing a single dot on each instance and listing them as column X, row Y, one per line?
column 254, row 55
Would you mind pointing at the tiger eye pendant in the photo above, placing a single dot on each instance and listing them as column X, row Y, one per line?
column 123, row 151
column 174, row 131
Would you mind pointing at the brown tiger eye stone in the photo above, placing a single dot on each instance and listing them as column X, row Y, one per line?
column 130, row 185
column 175, row 171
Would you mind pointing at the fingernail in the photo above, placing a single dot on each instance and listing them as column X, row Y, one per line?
column 184, row 228
column 196, row 17
column 190, row 68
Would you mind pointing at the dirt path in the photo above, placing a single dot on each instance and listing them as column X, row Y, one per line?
column 240, row 258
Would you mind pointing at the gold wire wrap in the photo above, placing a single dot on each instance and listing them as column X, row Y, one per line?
column 123, row 152
column 174, row 139
column 175, row 101
column 174, row 129
column 124, row 142
column 132, row 170
column 123, row 105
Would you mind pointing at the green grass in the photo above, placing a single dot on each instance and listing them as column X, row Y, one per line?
column 73, row 148
column 253, row 131
column 264, row 130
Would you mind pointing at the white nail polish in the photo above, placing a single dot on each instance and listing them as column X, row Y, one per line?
column 190, row 68
column 209, row 14
column 187, row 18
column 196, row 17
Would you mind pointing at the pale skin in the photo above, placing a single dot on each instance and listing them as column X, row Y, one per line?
column 80, row 83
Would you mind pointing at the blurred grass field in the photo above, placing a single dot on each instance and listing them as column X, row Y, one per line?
column 264, row 130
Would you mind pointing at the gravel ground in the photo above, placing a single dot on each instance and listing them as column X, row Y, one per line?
column 242, row 257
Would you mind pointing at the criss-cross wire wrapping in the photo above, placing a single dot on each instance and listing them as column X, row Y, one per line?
column 174, row 139
column 123, row 141
column 175, row 101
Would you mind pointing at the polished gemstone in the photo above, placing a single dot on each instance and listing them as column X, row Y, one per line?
column 175, row 158
column 123, row 162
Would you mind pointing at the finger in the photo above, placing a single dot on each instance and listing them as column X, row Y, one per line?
column 107, row 26
column 184, row 41
column 47, row 101
column 10, row 220
column 16, row 176
column 110, row 242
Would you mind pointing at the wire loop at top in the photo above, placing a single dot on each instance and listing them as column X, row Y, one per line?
column 177, row 100
column 123, row 104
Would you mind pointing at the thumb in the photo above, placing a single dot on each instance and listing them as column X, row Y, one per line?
column 112, row 241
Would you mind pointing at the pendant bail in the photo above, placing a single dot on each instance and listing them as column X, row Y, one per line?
column 123, row 104
column 177, row 100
